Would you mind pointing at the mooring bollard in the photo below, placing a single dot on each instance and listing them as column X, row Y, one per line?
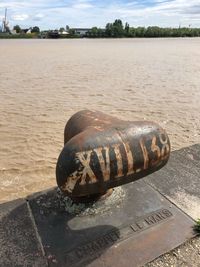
column 101, row 152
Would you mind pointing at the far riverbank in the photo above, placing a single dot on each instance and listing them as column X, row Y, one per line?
column 112, row 30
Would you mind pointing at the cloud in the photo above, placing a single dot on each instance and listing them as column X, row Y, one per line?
column 38, row 17
column 82, row 6
column 20, row 17
column 87, row 13
column 192, row 9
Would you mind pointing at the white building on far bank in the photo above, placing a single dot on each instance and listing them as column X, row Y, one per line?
column 81, row 31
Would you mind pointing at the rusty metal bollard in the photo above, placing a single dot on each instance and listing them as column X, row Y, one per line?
column 101, row 152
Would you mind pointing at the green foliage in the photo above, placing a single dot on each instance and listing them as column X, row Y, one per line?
column 197, row 226
column 35, row 29
column 61, row 29
column 115, row 29
column 118, row 30
column 17, row 28
column 140, row 32
column 71, row 31
column 18, row 36
column 126, row 29
column 95, row 32
column 108, row 31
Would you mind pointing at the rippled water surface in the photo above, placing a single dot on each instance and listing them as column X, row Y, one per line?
column 43, row 82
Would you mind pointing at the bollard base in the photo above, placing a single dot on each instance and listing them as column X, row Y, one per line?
column 92, row 198
column 137, row 228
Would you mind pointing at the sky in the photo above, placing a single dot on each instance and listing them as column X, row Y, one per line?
column 50, row 14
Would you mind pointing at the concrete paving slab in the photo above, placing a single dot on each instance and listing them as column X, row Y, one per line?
column 18, row 241
column 179, row 180
column 133, row 231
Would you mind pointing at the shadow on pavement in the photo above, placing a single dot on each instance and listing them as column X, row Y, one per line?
column 69, row 240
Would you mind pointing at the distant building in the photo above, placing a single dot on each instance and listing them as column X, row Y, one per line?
column 26, row 31
column 81, row 31
column 63, row 33
column 13, row 32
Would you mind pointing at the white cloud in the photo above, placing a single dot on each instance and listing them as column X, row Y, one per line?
column 86, row 13
column 20, row 17
column 38, row 17
column 82, row 6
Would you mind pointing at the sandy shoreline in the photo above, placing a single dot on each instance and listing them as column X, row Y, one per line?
column 43, row 82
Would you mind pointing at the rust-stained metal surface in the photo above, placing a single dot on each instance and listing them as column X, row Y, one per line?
column 102, row 152
column 140, row 228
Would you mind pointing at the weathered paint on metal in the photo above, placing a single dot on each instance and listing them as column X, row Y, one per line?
column 103, row 152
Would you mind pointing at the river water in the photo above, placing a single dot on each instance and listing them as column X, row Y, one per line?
column 44, row 82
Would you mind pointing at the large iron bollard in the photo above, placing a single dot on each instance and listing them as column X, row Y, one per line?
column 101, row 152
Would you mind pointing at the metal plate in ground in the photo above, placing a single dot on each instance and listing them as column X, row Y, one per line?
column 18, row 240
column 179, row 180
column 136, row 229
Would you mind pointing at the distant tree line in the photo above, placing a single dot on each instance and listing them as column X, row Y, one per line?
column 117, row 30
column 112, row 30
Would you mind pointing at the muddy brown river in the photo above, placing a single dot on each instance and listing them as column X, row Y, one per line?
column 43, row 82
